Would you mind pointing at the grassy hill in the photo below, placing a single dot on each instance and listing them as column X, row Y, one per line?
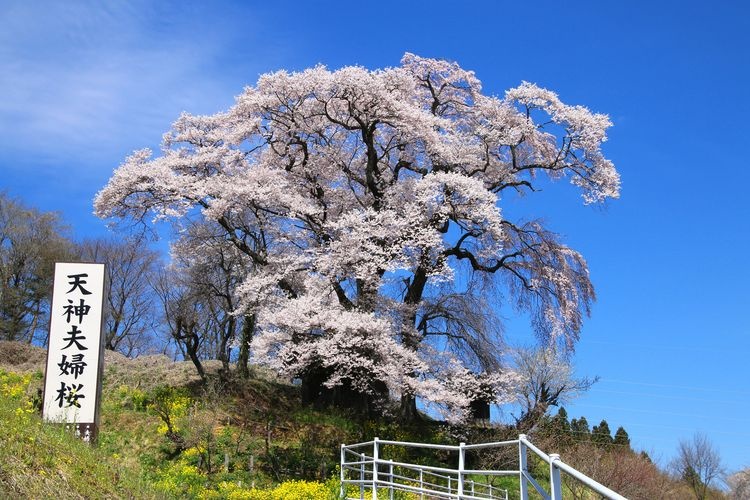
column 165, row 435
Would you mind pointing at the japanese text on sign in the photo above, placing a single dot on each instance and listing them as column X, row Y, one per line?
column 74, row 357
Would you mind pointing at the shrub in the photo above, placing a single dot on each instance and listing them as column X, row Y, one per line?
column 169, row 404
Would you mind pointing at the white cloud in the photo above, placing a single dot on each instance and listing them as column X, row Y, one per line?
column 81, row 80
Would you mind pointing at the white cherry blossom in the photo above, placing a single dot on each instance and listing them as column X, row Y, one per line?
column 358, row 198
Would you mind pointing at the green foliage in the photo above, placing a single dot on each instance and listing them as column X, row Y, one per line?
column 169, row 404
column 558, row 427
column 580, row 429
column 41, row 460
column 250, row 440
column 15, row 386
column 131, row 398
column 601, row 435
column 622, row 438
column 298, row 490
column 562, row 419
column 563, row 434
column 180, row 480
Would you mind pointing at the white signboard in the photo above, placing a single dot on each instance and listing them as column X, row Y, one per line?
column 74, row 357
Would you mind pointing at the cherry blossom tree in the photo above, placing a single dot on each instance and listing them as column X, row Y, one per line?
column 739, row 484
column 368, row 205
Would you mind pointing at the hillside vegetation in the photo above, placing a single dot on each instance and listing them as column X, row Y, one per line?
column 164, row 434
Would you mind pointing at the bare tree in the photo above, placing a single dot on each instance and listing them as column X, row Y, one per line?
column 698, row 463
column 547, row 381
column 30, row 243
column 213, row 269
column 131, row 268
column 198, row 293
column 617, row 468
column 185, row 316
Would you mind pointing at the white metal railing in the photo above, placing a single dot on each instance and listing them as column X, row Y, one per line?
column 377, row 475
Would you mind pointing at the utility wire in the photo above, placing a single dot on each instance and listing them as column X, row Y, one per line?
column 652, row 347
column 688, row 388
column 657, row 412
column 684, row 429
column 667, row 396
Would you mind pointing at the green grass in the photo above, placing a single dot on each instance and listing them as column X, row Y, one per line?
column 236, row 439
column 40, row 460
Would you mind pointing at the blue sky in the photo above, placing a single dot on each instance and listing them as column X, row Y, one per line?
column 83, row 84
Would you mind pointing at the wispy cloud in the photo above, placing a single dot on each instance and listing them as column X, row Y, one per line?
column 80, row 80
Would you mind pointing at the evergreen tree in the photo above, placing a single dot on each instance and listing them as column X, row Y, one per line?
column 621, row 437
column 601, row 433
column 557, row 427
column 562, row 420
column 580, row 429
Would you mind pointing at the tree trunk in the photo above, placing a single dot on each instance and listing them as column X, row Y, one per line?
column 223, row 354
column 408, row 411
column 197, row 362
column 529, row 420
column 190, row 342
column 248, row 328
column 34, row 321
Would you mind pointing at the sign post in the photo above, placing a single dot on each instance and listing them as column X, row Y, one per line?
column 75, row 357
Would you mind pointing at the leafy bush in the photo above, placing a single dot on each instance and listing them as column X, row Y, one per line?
column 13, row 385
column 296, row 490
column 183, row 481
column 132, row 398
column 169, row 404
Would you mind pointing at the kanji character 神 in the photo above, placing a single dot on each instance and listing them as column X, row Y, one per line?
column 79, row 311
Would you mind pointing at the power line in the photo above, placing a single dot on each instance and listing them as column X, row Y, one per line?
column 662, row 347
column 688, row 388
column 657, row 412
column 682, row 429
column 662, row 396
column 632, row 438
column 685, row 429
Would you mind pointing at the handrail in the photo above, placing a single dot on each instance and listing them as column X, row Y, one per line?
column 490, row 472
column 599, row 488
column 375, row 473
column 359, row 445
column 424, row 467
column 489, row 445
column 418, row 445
column 533, row 448
column 536, row 485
